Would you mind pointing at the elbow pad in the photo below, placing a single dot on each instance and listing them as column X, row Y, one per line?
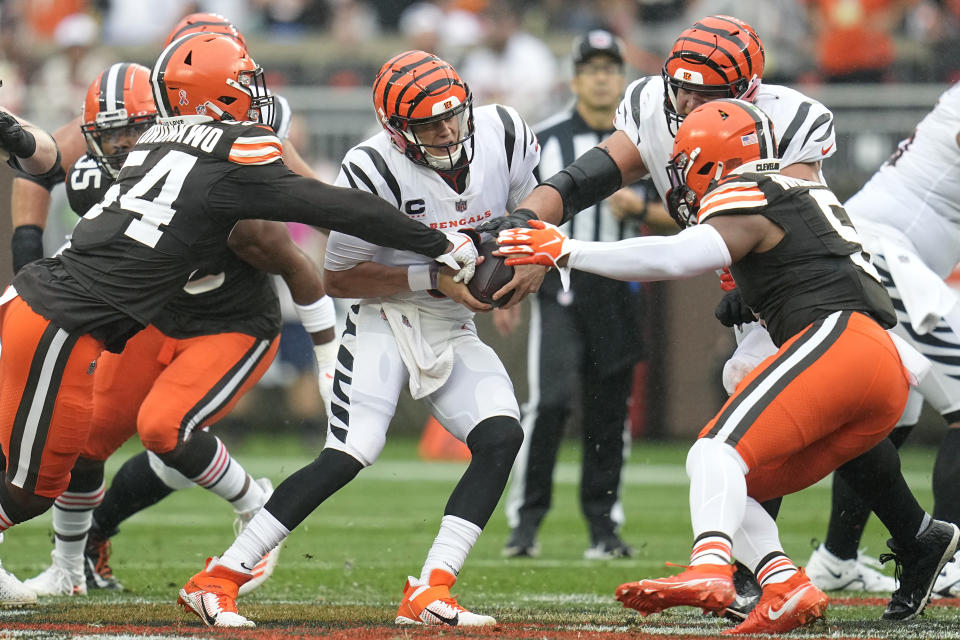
column 591, row 178
column 27, row 245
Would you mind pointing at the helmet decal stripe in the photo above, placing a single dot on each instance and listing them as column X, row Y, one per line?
column 156, row 77
column 115, row 83
column 431, row 89
column 764, row 133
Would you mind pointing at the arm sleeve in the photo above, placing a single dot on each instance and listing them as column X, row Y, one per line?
column 694, row 251
column 273, row 192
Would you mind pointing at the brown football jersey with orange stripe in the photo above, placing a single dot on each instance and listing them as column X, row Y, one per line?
column 820, row 270
column 184, row 186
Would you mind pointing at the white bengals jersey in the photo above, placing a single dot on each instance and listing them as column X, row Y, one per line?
column 917, row 190
column 803, row 126
column 500, row 176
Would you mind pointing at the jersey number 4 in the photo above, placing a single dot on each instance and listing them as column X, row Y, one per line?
column 172, row 169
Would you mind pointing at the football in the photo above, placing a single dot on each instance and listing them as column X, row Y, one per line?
column 492, row 274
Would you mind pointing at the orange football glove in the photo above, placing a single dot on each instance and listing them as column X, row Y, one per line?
column 726, row 280
column 542, row 243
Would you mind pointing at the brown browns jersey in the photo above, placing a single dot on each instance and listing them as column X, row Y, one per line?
column 230, row 297
column 819, row 267
column 184, row 186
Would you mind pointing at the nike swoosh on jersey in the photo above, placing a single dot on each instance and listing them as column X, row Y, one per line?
column 789, row 605
column 826, row 150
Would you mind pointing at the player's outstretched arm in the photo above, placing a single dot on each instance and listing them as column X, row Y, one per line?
column 273, row 192
column 30, row 148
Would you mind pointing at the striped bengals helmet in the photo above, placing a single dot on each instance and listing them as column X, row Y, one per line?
column 415, row 90
column 210, row 74
column 718, row 138
column 118, row 108
column 205, row 23
column 720, row 56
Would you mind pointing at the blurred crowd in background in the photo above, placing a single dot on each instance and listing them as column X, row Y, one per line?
column 509, row 51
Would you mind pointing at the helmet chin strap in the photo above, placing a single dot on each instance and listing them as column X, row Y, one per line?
column 446, row 161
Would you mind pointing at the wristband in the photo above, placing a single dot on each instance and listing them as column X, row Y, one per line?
column 422, row 277
column 318, row 315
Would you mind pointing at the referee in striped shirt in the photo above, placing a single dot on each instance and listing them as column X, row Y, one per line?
column 585, row 342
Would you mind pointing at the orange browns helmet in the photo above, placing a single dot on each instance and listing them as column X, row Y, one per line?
column 210, row 74
column 416, row 89
column 719, row 55
column 205, row 23
column 119, row 103
column 718, row 138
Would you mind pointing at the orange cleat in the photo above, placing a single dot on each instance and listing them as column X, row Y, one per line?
column 708, row 586
column 431, row 603
column 784, row 606
column 212, row 596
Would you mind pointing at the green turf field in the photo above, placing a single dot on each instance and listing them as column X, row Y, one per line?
column 347, row 563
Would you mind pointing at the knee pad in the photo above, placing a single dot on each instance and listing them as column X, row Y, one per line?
column 168, row 475
column 157, row 435
column 706, row 449
column 499, row 434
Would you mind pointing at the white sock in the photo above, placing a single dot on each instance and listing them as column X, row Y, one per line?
column 262, row 534
column 451, row 546
column 5, row 521
column 776, row 567
column 228, row 479
column 757, row 537
column 718, row 489
column 72, row 517
column 711, row 548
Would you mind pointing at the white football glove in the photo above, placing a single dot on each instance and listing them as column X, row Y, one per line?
column 463, row 257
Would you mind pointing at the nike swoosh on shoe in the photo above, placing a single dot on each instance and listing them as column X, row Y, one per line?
column 452, row 621
column 789, row 605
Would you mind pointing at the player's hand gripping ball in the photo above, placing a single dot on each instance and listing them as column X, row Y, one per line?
column 492, row 274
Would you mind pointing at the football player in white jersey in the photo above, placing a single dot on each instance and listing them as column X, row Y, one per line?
column 718, row 57
column 449, row 165
column 908, row 215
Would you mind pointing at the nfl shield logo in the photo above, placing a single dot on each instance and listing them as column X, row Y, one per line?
column 461, row 206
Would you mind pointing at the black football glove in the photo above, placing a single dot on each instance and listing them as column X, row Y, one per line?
column 519, row 218
column 733, row 311
column 14, row 138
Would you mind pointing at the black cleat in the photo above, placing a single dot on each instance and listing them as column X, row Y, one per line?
column 96, row 564
column 748, row 594
column 917, row 567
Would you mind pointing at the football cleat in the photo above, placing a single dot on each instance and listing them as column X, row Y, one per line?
column 748, row 594
column 831, row 573
column 431, row 603
column 784, row 606
column 264, row 568
column 59, row 579
column 918, row 565
column 948, row 582
column 96, row 564
column 708, row 586
column 212, row 596
column 14, row 593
